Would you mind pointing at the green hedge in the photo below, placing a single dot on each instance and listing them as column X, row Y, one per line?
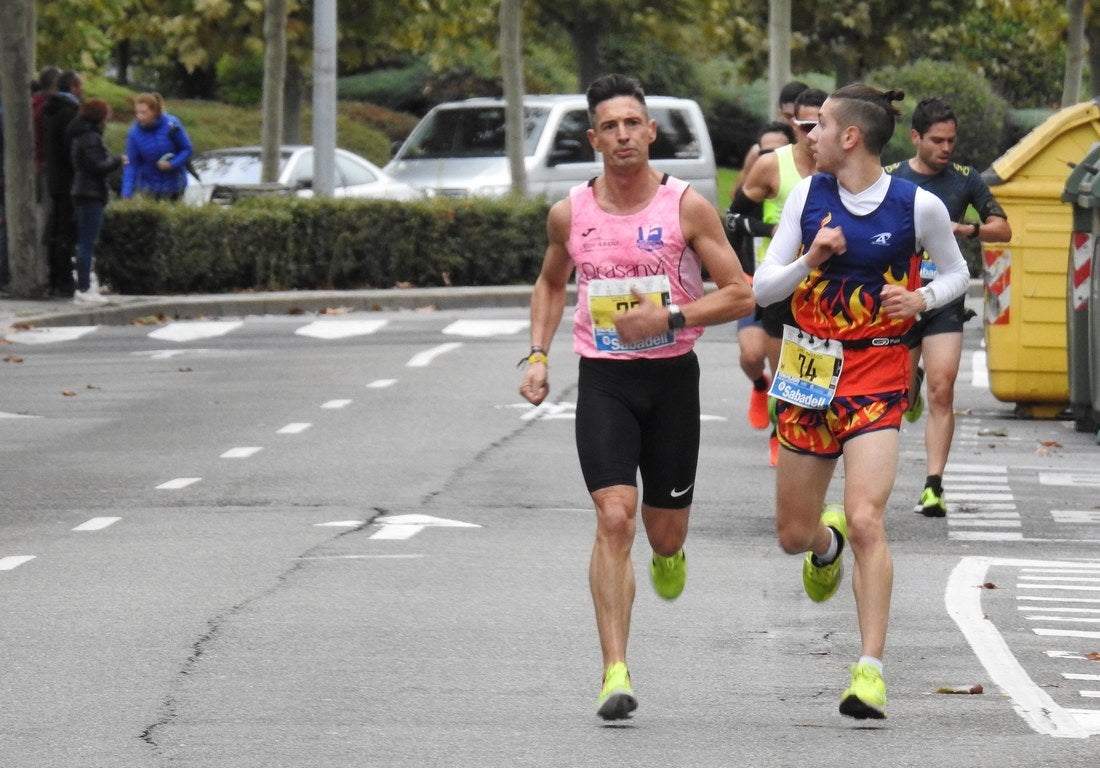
column 288, row 243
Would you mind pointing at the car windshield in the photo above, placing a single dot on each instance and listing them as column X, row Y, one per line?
column 235, row 168
column 471, row 131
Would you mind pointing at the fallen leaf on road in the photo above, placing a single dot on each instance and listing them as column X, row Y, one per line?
column 1050, row 444
column 962, row 689
column 1092, row 656
column 12, row 359
column 336, row 310
column 90, row 386
column 184, row 369
column 68, row 393
column 999, row 432
column 148, row 320
column 990, row 585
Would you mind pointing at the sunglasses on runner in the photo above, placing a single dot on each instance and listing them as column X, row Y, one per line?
column 806, row 125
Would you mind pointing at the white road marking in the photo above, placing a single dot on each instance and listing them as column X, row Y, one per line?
column 340, row 329
column 1075, row 479
column 979, row 371
column 294, row 428
column 407, row 526
column 486, row 328
column 381, row 383
column 50, row 335
column 963, row 600
column 333, row 404
column 242, row 453
column 97, row 523
column 14, row 561
column 6, row 415
column 1076, row 516
column 178, row 483
column 425, row 358
column 339, row 524
column 193, row 330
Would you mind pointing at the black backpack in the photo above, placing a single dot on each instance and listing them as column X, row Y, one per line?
column 173, row 129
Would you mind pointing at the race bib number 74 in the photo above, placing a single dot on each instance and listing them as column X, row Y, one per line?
column 809, row 369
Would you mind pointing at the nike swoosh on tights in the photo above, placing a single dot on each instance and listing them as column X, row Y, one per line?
column 677, row 494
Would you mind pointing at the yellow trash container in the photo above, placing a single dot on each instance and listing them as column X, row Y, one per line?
column 1025, row 279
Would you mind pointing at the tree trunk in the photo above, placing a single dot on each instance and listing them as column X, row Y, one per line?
column 511, row 60
column 292, row 103
column 1093, row 34
column 122, row 62
column 26, row 261
column 274, row 80
column 1075, row 52
column 586, row 50
column 779, row 49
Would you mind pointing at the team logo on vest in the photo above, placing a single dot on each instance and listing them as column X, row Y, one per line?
column 882, row 238
column 651, row 240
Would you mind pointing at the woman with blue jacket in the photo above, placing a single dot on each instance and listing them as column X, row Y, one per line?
column 158, row 149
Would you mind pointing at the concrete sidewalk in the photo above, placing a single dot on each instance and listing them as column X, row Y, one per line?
column 123, row 310
column 126, row 309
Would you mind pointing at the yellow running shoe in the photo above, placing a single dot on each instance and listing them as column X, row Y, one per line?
column 866, row 696
column 668, row 574
column 931, row 503
column 617, row 697
column 913, row 413
column 821, row 581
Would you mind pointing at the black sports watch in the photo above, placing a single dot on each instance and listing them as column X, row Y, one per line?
column 676, row 319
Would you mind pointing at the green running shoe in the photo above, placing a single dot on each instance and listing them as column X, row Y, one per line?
column 821, row 581
column 668, row 574
column 866, row 697
column 913, row 413
column 617, row 697
column 932, row 503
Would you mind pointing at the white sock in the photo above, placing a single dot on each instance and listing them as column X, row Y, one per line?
column 876, row 663
column 830, row 554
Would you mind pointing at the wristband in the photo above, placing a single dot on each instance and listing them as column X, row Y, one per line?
column 535, row 357
column 977, row 231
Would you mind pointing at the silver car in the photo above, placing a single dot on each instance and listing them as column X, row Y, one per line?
column 226, row 175
column 457, row 149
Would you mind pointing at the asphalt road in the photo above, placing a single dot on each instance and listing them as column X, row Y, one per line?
column 342, row 540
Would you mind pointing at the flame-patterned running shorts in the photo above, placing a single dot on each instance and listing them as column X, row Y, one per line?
column 824, row 432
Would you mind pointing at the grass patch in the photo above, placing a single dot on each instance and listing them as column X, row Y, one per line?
column 211, row 124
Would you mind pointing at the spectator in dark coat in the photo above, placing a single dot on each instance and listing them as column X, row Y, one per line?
column 158, row 149
column 92, row 162
column 44, row 87
column 61, row 231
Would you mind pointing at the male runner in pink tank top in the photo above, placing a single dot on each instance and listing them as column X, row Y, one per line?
column 637, row 241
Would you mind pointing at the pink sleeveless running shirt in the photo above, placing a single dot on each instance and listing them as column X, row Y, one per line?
column 644, row 250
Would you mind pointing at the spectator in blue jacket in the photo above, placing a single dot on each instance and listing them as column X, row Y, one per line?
column 158, row 149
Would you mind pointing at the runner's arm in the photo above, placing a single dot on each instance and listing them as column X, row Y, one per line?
column 934, row 235
column 548, row 299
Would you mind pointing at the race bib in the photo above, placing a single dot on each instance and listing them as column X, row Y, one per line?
column 607, row 298
column 809, row 369
column 927, row 268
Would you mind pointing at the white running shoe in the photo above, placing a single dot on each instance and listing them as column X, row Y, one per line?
column 89, row 297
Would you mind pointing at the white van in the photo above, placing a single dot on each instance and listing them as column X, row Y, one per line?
column 457, row 150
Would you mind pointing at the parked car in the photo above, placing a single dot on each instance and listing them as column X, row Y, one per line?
column 457, row 149
column 226, row 175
